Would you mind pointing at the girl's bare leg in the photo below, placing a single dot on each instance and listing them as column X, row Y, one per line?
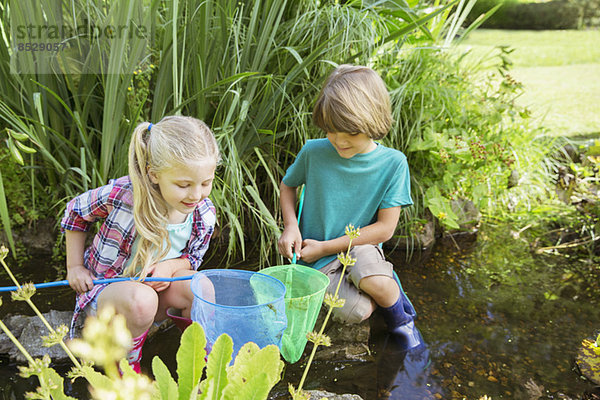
column 179, row 295
column 137, row 302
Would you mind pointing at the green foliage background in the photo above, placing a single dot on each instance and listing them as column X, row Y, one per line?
column 251, row 70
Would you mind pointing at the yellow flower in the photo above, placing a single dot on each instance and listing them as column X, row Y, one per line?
column 352, row 232
column 24, row 293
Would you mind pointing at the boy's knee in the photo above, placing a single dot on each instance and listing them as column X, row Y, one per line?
column 377, row 284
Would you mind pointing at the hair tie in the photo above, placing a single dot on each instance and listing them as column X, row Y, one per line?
column 150, row 127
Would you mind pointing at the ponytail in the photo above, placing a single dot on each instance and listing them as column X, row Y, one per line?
column 149, row 210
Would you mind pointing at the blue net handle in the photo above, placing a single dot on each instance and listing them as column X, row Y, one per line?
column 98, row 282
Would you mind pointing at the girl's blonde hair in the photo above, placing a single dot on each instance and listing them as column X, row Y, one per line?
column 354, row 100
column 170, row 143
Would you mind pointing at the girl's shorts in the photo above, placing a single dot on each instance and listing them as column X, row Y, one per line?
column 370, row 261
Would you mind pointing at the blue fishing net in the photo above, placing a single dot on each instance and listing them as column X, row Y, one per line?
column 248, row 306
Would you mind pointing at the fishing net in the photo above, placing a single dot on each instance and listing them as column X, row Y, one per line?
column 248, row 306
column 305, row 289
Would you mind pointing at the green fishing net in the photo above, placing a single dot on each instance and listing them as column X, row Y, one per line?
column 305, row 289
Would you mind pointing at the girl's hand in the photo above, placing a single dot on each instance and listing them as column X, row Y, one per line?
column 161, row 269
column 312, row 250
column 290, row 241
column 80, row 278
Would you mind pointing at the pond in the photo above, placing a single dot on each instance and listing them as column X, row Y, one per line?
column 497, row 319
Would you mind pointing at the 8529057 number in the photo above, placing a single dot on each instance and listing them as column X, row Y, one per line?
column 35, row 46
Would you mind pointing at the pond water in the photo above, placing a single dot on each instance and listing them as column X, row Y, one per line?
column 497, row 319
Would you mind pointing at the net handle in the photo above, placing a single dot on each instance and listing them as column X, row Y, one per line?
column 300, row 206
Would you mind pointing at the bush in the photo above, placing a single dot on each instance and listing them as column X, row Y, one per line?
column 513, row 14
column 463, row 139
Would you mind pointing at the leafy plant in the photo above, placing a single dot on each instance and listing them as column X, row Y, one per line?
column 463, row 134
column 106, row 341
column 253, row 374
column 249, row 69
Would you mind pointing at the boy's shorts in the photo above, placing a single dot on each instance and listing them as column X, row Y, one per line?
column 369, row 262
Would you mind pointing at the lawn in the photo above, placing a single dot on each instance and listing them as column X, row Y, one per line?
column 560, row 71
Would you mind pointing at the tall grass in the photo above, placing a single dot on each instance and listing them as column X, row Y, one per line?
column 249, row 69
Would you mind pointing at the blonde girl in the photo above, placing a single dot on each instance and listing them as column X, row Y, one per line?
column 157, row 221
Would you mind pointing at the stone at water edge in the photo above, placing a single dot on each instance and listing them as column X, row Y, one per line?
column 588, row 361
column 320, row 394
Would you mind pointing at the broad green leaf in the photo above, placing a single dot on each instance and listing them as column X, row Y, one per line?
column 190, row 359
column 249, row 362
column 216, row 369
column 207, row 389
column 257, row 388
column 194, row 393
column 167, row 386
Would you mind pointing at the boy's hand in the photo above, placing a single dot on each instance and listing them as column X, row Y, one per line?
column 290, row 241
column 312, row 250
column 80, row 278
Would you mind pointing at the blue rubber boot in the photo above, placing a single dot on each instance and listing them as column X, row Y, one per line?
column 400, row 321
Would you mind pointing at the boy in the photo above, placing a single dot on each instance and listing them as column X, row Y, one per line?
column 351, row 179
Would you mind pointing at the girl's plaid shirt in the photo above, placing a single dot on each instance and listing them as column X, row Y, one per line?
column 111, row 246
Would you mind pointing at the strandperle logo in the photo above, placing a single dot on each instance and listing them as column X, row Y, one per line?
column 86, row 29
column 66, row 40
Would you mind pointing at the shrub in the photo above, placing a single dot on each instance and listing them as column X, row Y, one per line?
column 514, row 14
column 463, row 137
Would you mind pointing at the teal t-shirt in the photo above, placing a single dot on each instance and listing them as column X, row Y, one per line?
column 179, row 235
column 340, row 191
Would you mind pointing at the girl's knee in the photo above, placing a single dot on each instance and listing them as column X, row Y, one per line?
column 143, row 304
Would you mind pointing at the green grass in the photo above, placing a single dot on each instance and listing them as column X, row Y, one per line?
column 560, row 71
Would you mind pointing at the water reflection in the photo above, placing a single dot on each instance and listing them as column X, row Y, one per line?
column 497, row 319
column 405, row 374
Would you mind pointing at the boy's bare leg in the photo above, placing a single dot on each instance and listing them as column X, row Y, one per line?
column 383, row 289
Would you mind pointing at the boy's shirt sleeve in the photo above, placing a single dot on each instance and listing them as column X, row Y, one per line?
column 398, row 191
column 205, row 219
column 89, row 207
column 296, row 173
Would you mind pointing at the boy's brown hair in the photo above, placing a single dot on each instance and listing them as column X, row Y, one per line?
column 354, row 100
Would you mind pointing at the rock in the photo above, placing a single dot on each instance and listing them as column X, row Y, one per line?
column 422, row 238
column 29, row 332
column 469, row 216
column 42, row 241
column 345, row 351
column 348, row 333
column 513, row 179
column 568, row 154
column 348, row 341
column 30, row 329
column 320, row 394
